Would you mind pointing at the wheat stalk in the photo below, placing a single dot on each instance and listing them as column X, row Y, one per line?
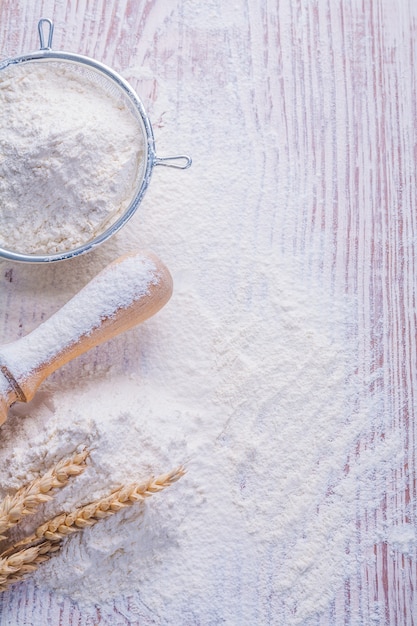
column 25, row 556
column 26, row 500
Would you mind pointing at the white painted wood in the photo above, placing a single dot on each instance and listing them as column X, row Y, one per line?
column 329, row 87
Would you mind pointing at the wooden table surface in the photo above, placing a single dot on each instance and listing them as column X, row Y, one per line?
column 326, row 90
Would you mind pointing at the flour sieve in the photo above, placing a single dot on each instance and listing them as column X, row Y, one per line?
column 100, row 77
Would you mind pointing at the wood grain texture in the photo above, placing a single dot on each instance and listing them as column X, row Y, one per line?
column 325, row 95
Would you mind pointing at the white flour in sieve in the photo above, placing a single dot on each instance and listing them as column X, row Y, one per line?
column 69, row 158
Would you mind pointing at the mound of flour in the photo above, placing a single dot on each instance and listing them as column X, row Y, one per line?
column 263, row 410
column 70, row 155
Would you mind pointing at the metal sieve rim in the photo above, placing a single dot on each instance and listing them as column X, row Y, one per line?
column 151, row 159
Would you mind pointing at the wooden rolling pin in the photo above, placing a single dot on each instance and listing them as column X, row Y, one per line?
column 124, row 294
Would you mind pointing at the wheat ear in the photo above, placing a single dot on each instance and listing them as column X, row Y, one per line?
column 64, row 524
column 26, row 500
column 14, row 567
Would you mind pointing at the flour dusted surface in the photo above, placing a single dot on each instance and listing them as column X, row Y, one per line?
column 251, row 375
column 70, row 157
column 257, row 406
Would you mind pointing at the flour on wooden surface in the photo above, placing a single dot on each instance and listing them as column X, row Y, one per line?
column 69, row 158
column 262, row 409
column 249, row 376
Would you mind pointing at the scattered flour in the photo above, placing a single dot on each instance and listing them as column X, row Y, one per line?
column 250, row 376
column 70, row 156
column 402, row 538
column 266, row 415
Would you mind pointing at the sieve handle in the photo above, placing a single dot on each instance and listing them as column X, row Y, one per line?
column 104, row 308
column 44, row 21
column 180, row 162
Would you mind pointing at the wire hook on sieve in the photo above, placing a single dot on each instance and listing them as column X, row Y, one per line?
column 180, row 162
column 45, row 21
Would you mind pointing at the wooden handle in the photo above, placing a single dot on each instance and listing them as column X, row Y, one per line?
column 124, row 294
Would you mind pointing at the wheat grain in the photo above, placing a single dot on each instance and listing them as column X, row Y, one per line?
column 15, row 567
column 67, row 523
column 25, row 556
column 26, row 500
